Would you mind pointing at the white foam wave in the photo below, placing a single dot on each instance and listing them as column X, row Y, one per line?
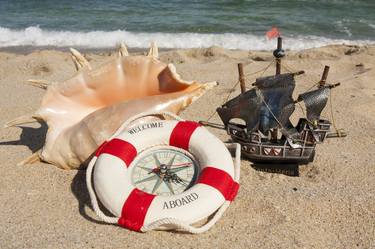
column 35, row 36
column 367, row 22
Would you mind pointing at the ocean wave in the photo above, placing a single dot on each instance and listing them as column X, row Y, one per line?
column 368, row 23
column 35, row 36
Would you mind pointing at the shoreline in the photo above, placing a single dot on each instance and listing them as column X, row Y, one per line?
column 29, row 49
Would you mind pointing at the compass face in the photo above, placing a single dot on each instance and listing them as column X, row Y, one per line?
column 164, row 171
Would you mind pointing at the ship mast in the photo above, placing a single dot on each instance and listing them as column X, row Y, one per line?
column 278, row 54
column 241, row 78
column 322, row 81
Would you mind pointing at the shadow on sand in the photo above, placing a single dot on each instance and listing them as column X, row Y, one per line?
column 34, row 139
column 31, row 137
column 284, row 169
column 80, row 191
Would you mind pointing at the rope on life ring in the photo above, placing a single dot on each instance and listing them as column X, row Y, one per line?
column 170, row 222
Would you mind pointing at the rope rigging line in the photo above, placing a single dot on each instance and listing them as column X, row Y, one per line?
column 341, row 80
column 292, row 70
column 269, row 109
column 340, row 132
column 263, row 70
column 304, row 113
column 226, row 99
column 314, row 83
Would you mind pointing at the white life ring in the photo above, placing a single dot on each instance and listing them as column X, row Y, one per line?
column 216, row 187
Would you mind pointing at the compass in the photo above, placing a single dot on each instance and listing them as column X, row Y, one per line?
column 163, row 175
column 165, row 171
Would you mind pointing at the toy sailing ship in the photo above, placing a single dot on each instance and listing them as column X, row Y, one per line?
column 268, row 135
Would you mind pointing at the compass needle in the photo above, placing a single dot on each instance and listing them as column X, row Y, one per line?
column 184, row 180
column 181, row 180
column 181, row 164
column 157, row 171
column 175, row 170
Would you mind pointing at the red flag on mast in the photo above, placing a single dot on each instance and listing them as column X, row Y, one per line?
column 273, row 33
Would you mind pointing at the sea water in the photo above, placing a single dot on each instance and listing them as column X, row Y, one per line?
column 185, row 24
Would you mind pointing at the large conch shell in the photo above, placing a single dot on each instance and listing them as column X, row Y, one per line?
column 82, row 112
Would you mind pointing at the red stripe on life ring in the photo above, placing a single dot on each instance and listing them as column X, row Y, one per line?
column 180, row 136
column 221, row 181
column 99, row 150
column 118, row 148
column 135, row 209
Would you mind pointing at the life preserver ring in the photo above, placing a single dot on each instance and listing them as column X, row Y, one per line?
column 134, row 209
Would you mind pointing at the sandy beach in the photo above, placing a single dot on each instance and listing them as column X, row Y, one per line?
column 331, row 204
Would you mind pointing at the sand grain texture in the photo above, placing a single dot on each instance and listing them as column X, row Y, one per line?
column 330, row 205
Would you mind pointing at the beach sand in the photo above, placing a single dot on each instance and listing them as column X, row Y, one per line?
column 331, row 204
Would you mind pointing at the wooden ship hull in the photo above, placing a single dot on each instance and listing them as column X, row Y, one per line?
column 260, row 150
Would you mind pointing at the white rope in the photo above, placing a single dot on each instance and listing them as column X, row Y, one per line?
column 237, row 162
column 94, row 200
column 186, row 227
column 166, row 222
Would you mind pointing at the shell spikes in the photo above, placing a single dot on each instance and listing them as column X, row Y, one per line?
column 35, row 157
column 154, row 52
column 43, row 84
column 123, row 51
column 85, row 110
column 26, row 119
column 79, row 60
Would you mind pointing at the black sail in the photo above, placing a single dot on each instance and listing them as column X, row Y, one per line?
column 278, row 103
column 315, row 101
column 287, row 128
column 245, row 106
column 271, row 94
